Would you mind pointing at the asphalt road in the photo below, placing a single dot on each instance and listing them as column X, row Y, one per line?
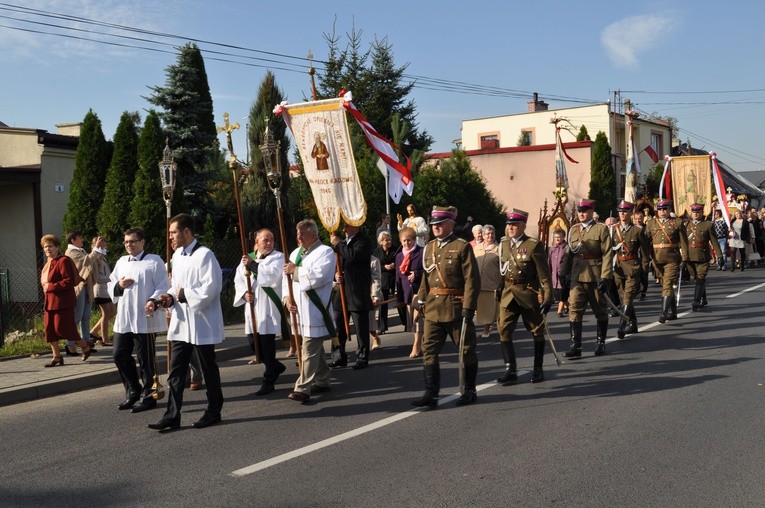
column 671, row 416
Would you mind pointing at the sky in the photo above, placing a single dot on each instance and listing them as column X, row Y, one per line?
column 695, row 60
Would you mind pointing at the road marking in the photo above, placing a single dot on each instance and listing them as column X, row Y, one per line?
column 753, row 288
column 259, row 466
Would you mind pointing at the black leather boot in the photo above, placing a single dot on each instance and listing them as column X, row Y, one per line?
column 623, row 322
column 600, row 349
column 470, row 394
column 696, row 305
column 633, row 327
column 432, row 387
column 664, row 308
column 672, row 312
column 511, row 371
column 575, row 351
column 703, row 293
column 538, row 375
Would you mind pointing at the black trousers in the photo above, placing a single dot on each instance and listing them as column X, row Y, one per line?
column 122, row 353
column 179, row 365
column 361, row 321
column 383, row 324
column 267, row 355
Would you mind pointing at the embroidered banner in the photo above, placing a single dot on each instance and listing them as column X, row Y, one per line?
column 320, row 130
column 691, row 183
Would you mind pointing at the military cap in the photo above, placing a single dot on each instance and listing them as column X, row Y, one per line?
column 443, row 213
column 664, row 204
column 697, row 207
column 625, row 206
column 517, row 216
column 584, row 205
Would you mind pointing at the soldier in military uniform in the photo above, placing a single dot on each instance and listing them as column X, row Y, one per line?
column 631, row 249
column 700, row 235
column 669, row 247
column 588, row 268
column 449, row 294
column 526, row 277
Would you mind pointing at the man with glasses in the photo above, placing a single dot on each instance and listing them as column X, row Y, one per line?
column 137, row 278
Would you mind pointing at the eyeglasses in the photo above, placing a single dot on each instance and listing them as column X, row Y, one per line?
column 130, row 242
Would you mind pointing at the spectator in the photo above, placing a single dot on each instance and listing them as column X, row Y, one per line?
column 477, row 232
column 58, row 279
column 720, row 228
column 741, row 234
column 753, row 252
column 376, row 294
column 487, row 257
column 101, row 297
column 554, row 258
column 387, row 256
column 84, row 288
column 408, row 278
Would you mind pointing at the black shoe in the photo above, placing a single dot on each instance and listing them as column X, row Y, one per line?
column 70, row 353
column 468, row 397
column 573, row 352
column 427, row 400
column 338, row 364
column 128, row 403
column 315, row 389
column 165, row 423
column 265, row 389
column 537, row 376
column 145, row 405
column 642, row 297
column 600, row 349
column 359, row 365
column 206, row 421
column 509, row 377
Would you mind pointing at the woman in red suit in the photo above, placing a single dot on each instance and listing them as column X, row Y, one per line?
column 58, row 278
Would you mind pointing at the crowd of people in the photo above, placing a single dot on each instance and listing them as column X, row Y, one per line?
column 447, row 286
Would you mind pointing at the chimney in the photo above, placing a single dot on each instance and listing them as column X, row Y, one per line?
column 68, row 129
column 536, row 104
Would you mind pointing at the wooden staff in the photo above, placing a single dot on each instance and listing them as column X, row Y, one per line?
column 234, row 165
column 296, row 338
column 343, row 300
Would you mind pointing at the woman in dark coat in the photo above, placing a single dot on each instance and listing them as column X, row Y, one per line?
column 387, row 256
column 58, row 278
column 409, row 272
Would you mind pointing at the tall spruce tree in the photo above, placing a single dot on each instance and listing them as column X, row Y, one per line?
column 187, row 112
column 148, row 210
column 87, row 188
column 258, row 202
column 118, row 192
column 602, row 177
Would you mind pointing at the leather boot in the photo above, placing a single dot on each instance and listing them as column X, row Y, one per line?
column 575, row 351
column 696, row 305
column 664, row 308
column 703, row 293
column 432, row 387
column 600, row 349
column 672, row 312
column 511, row 371
column 470, row 394
column 623, row 323
column 633, row 327
column 538, row 375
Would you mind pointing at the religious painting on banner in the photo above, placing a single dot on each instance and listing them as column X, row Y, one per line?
column 691, row 183
column 320, row 129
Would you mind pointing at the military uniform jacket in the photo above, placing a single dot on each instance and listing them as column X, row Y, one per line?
column 589, row 253
column 455, row 262
column 526, row 273
column 700, row 235
column 667, row 239
column 630, row 250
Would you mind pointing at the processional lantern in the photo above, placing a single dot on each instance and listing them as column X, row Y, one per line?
column 167, row 168
column 270, row 149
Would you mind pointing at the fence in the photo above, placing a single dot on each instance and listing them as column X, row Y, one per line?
column 21, row 298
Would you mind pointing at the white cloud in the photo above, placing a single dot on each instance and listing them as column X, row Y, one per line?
column 626, row 39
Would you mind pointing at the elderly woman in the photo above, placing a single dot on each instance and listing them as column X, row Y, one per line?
column 387, row 256
column 487, row 257
column 554, row 257
column 101, row 297
column 741, row 234
column 477, row 232
column 409, row 272
column 58, row 279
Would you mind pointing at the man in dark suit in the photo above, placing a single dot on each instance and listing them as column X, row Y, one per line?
column 355, row 253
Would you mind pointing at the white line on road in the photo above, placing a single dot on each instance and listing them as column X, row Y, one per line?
column 259, row 466
column 753, row 288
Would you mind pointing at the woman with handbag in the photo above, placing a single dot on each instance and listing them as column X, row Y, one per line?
column 741, row 234
column 101, row 293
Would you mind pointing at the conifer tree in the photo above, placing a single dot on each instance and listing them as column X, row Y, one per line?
column 118, row 192
column 90, row 165
column 148, row 210
column 583, row 135
column 602, row 177
column 187, row 112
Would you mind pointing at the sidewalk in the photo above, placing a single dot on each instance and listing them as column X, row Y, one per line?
column 24, row 379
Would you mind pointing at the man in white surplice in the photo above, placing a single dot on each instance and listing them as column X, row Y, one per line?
column 312, row 267
column 266, row 267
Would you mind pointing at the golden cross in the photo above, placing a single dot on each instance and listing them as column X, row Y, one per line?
column 227, row 128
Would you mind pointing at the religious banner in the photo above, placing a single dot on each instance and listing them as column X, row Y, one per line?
column 632, row 168
column 561, row 177
column 320, row 130
column 691, row 183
